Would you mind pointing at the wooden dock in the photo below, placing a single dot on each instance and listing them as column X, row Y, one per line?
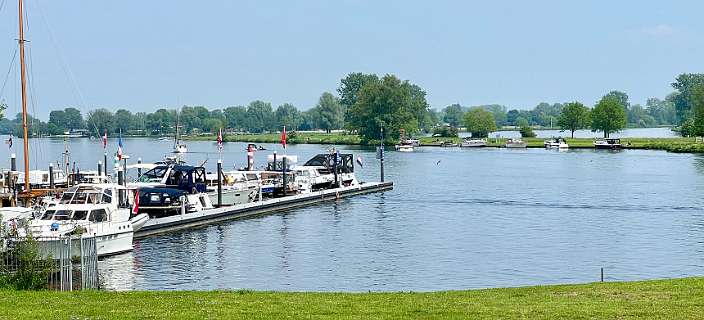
column 196, row 219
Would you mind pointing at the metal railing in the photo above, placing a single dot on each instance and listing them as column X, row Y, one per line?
column 66, row 263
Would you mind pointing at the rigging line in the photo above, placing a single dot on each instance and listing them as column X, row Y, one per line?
column 2, row 5
column 64, row 64
column 7, row 75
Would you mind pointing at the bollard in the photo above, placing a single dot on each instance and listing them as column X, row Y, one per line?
column 251, row 148
column 381, row 154
column 105, row 161
column 274, row 167
column 139, row 168
column 284, row 171
column 124, row 169
column 334, row 169
column 13, row 162
column 120, row 180
column 602, row 274
column 100, row 168
column 51, row 176
column 219, row 183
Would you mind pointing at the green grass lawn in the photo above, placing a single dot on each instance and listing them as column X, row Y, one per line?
column 660, row 299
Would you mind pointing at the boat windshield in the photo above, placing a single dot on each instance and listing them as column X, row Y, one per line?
column 60, row 215
column 153, row 175
column 86, row 195
column 48, row 214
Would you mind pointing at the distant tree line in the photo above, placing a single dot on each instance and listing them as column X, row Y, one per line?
column 366, row 104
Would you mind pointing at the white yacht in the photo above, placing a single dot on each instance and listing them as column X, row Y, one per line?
column 608, row 143
column 556, row 143
column 515, row 143
column 40, row 178
column 237, row 187
column 103, row 211
column 404, row 147
column 473, row 143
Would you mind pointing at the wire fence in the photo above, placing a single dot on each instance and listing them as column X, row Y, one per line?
column 61, row 264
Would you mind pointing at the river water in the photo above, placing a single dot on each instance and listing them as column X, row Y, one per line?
column 456, row 219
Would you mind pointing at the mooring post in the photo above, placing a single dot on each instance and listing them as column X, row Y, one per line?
column 120, row 176
column 274, row 167
column 105, row 161
column 283, row 160
column 100, row 168
column 219, row 183
column 51, row 176
column 602, row 274
column 124, row 169
column 334, row 168
column 13, row 162
column 250, row 157
column 381, row 154
column 139, row 168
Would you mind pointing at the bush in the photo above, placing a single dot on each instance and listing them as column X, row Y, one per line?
column 30, row 270
column 687, row 129
column 446, row 132
column 527, row 132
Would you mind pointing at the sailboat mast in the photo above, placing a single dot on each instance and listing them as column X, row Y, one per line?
column 24, row 99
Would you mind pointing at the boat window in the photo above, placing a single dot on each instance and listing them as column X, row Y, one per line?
column 154, row 197
column 153, row 175
column 199, row 176
column 79, row 215
column 48, row 215
column 66, row 197
column 62, row 215
column 98, row 215
column 107, row 196
column 175, row 178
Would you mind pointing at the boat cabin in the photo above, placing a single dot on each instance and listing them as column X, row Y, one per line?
column 182, row 177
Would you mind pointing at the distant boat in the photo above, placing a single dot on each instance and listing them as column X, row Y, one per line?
column 515, row 143
column 405, row 148
column 608, row 143
column 473, row 143
column 556, row 143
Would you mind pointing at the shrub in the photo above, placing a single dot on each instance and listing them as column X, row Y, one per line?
column 30, row 270
column 446, row 132
column 527, row 132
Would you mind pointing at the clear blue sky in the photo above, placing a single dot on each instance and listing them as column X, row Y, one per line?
column 145, row 54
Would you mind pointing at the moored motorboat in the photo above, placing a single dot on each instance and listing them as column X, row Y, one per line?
column 473, row 143
column 404, row 147
column 608, row 143
column 556, row 143
column 515, row 143
column 102, row 211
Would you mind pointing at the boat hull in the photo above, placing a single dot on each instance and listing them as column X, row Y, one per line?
column 106, row 245
column 233, row 197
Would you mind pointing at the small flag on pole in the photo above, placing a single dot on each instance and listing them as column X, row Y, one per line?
column 135, row 210
column 9, row 142
column 220, row 140
column 119, row 146
column 283, row 137
column 105, row 139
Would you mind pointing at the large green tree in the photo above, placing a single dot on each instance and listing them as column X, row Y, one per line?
column 260, row 116
column 352, row 84
column 391, row 104
column 574, row 116
column 685, row 84
column 479, row 122
column 100, row 120
column 288, row 115
column 609, row 115
column 697, row 103
column 329, row 112
column 236, row 118
column 453, row 115
column 123, row 120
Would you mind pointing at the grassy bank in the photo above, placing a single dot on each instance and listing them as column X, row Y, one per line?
column 671, row 299
column 677, row 144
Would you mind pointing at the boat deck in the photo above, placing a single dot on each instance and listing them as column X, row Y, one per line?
column 205, row 217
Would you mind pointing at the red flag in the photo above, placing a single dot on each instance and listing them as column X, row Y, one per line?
column 283, row 137
column 105, row 139
column 136, row 202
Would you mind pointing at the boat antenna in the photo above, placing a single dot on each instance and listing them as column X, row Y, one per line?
column 23, row 72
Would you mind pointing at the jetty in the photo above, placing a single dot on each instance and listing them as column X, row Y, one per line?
column 200, row 218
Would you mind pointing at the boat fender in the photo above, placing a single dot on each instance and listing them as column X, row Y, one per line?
column 55, row 226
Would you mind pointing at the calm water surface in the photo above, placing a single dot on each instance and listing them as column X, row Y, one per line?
column 456, row 219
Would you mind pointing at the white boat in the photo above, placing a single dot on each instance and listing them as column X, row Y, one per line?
column 473, row 143
column 405, row 148
column 608, row 143
column 236, row 187
column 413, row 142
column 103, row 211
column 515, row 143
column 556, row 143
column 40, row 178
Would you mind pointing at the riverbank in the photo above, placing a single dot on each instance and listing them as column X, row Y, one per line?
column 677, row 144
column 671, row 299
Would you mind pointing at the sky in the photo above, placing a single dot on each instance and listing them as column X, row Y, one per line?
column 143, row 55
